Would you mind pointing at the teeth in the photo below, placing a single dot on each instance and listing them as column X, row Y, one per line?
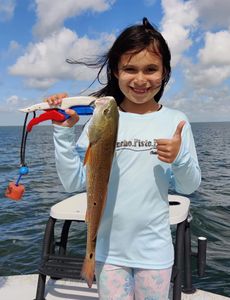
column 140, row 90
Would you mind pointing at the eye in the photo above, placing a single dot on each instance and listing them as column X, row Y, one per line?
column 106, row 111
column 129, row 70
column 150, row 70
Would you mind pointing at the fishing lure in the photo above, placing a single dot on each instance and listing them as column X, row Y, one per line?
column 83, row 105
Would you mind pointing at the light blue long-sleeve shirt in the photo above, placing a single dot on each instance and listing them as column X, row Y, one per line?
column 134, row 229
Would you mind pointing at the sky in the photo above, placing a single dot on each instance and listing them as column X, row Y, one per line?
column 37, row 36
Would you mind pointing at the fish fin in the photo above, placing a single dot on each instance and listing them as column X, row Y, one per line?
column 87, row 216
column 88, row 268
column 87, row 154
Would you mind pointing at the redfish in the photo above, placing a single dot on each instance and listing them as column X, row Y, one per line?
column 102, row 133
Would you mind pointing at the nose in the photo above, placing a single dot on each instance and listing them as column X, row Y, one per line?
column 140, row 78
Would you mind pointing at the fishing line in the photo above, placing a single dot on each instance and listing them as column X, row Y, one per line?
column 24, row 139
column 15, row 190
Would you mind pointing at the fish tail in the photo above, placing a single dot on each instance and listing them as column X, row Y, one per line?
column 88, row 268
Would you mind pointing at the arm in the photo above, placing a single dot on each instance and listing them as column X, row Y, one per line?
column 69, row 158
column 186, row 175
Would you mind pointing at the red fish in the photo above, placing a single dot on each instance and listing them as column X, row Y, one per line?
column 102, row 133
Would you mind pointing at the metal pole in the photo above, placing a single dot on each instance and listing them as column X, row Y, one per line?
column 179, row 257
column 201, row 256
column 188, row 288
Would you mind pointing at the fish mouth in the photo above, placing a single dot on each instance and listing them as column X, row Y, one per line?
column 102, row 101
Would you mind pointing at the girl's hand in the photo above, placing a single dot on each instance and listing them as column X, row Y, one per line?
column 167, row 149
column 57, row 100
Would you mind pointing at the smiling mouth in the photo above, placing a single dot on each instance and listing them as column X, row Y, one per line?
column 139, row 90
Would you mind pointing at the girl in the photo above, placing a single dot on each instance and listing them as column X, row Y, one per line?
column 155, row 148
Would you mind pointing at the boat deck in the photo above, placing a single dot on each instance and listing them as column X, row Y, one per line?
column 24, row 287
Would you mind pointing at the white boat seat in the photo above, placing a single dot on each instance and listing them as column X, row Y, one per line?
column 178, row 208
column 74, row 208
column 58, row 262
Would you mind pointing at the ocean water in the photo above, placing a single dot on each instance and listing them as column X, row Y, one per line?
column 23, row 222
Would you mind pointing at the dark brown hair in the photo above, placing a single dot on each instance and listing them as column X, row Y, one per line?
column 132, row 40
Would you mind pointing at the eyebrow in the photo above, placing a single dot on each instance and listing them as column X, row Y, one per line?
column 134, row 66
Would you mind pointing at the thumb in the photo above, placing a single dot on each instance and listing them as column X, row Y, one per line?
column 179, row 128
column 72, row 113
column 74, row 117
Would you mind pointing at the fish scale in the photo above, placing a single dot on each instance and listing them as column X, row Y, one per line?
column 102, row 134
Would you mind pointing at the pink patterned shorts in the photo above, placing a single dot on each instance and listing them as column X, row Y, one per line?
column 124, row 283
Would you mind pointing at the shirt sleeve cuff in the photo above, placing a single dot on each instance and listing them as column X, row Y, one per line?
column 182, row 158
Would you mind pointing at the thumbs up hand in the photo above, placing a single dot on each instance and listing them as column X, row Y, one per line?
column 167, row 149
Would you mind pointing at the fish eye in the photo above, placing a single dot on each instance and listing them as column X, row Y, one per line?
column 106, row 111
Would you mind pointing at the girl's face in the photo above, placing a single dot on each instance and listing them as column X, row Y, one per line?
column 140, row 77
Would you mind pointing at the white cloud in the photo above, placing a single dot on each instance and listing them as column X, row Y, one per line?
column 12, row 100
column 216, row 49
column 213, row 66
column 43, row 64
column 206, row 77
column 15, row 102
column 12, row 103
column 150, row 2
column 13, row 46
column 182, row 27
column 40, row 83
column 180, row 18
column 203, row 105
column 14, row 49
column 51, row 14
column 213, row 13
column 7, row 8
